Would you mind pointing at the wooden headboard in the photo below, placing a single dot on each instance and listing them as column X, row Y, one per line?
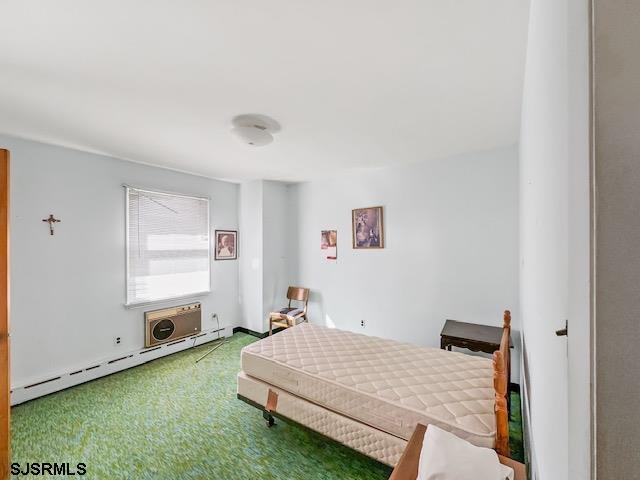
column 501, row 368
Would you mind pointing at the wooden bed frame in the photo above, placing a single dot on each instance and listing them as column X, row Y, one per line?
column 408, row 465
column 501, row 368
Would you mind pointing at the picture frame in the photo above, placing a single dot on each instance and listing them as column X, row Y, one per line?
column 226, row 245
column 367, row 227
column 329, row 244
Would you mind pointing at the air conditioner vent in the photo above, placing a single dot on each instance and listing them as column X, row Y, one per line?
column 163, row 329
column 170, row 324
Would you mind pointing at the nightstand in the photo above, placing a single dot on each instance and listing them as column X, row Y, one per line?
column 474, row 337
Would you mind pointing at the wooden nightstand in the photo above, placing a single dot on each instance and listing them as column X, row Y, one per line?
column 407, row 467
column 474, row 337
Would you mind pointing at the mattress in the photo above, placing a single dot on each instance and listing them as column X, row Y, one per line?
column 388, row 385
column 367, row 440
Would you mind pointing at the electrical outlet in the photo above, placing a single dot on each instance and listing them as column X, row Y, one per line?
column 117, row 340
column 362, row 323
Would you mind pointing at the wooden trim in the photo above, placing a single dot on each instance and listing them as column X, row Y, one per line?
column 254, row 333
column 500, row 383
column 5, row 408
column 407, row 467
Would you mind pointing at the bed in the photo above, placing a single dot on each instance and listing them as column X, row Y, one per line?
column 370, row 393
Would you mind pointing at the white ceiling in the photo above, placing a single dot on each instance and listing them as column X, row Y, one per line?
column 353, row 83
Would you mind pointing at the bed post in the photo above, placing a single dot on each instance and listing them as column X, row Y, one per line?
column 502, row 415
column 500, row 385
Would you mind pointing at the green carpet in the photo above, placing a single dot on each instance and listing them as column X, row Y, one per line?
column 173, row 419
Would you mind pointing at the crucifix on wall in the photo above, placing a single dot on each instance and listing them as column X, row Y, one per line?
column 51, row 220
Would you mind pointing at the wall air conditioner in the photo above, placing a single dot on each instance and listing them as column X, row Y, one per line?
column 168, row 324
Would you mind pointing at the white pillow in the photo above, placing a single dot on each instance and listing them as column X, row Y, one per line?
column 447, row 457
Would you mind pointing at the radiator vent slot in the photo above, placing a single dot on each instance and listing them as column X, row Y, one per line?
column 150, row 350
column 42, row 382
column 119, row 359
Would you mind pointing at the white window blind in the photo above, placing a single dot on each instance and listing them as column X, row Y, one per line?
column 167, row 246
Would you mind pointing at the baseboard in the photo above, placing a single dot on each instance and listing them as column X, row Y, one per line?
column 103, row 368
column 254, row 333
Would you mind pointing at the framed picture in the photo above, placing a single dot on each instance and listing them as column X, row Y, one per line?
column 226, row 247
column 329, row 244
column 368, row 228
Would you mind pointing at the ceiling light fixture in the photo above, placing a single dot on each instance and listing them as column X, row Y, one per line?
column 254, row 130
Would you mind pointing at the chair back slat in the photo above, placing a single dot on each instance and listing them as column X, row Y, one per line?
column 298, row 293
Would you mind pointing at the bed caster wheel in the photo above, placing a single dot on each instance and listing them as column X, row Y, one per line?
column 269, row 419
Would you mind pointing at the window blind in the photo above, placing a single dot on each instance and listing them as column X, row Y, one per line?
column 167, row 246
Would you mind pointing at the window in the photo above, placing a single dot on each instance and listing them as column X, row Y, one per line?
column 167, row 246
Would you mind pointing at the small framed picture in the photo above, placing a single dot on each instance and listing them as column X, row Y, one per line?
column 329, row 244
column 368, row 228
column 226, row 247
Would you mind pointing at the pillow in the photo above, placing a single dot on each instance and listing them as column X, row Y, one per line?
column 447, row 457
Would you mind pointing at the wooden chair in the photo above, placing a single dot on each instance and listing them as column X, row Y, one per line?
column 290, row 316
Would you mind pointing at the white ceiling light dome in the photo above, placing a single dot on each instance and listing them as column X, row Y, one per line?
column 253, row 135
column 254, row 130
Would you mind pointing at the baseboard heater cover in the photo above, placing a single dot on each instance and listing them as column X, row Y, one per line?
column 119, row 359
column 74, row 377
column 149, row 350
column 41, row 383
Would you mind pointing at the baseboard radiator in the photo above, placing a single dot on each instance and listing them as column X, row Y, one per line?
column 122, row 361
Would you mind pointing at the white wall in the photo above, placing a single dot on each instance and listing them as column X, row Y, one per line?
column 250, row 255
column 555, row 248
column 277, row 249
column 68, row 290
column 265, row 250
column 451, row 247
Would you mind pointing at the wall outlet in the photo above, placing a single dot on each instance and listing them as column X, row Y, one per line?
column 117, row 340
column 363, row 323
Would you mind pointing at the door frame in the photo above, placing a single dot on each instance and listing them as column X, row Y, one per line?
column 5, row 385
column 581, row 239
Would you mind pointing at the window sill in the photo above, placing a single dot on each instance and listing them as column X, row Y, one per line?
column 160, row 302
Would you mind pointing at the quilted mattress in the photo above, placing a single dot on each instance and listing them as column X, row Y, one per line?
column 388, row 385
